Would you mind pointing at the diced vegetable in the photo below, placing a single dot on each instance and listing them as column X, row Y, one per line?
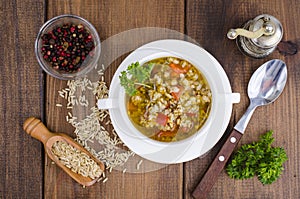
column 162, row 119
column 177, row 95
column 166, row 134
column 178, row 68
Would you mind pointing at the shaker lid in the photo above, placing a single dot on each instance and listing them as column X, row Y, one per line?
column 271, row 25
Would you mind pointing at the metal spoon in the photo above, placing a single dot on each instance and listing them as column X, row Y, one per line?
column 265, row 86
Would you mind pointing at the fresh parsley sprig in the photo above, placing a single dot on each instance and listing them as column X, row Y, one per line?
column 258, row 158
column 135, row 75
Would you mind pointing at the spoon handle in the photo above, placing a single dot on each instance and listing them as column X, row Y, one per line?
column 37, row 129
column 211, row 175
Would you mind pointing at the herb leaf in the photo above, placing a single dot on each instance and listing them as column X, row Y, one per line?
column 135, row 75
column 127, row 83
column 258, row 158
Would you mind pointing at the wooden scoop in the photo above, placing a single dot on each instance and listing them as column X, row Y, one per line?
column 38, row 130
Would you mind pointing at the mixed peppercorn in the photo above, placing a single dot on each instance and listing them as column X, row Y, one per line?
column 67, row 46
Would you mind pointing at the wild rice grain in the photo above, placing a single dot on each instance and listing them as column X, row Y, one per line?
column 99, row 179
column 77, row 161
column 104, row 180
column 139, row 164
column 90, row 129
column 70, row 114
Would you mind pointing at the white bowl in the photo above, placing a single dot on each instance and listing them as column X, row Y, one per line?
column 206, row 137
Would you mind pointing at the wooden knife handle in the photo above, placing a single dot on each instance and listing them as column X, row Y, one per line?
column 211, row 175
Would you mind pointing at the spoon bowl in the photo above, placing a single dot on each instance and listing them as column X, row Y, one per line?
column 265, row 86
column 270, row 78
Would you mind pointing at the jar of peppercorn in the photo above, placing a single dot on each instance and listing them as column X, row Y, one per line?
column 67, row 47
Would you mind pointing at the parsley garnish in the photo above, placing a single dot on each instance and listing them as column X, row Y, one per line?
column 258, row 158
column 135, row 75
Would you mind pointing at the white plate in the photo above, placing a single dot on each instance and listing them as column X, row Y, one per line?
column 211, row 132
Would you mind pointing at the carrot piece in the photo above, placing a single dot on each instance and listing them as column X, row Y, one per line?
column 177, row 95
column 178, row 68
column 165, row 134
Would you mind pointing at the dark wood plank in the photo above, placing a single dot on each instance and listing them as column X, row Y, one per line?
column 208, row 23
column 21, row 96
column 110, row 18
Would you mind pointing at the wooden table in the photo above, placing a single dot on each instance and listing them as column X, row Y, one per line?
column 26, row 91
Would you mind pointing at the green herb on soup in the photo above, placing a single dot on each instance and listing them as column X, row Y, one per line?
column 168, row 99
column 138, row 75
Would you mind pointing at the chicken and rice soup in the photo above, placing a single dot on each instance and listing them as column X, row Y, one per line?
column 175, row 104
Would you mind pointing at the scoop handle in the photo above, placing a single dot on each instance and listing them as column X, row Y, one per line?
column 37, row 129
column 211, row 175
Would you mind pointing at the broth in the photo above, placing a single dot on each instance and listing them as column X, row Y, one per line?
column 175, row 104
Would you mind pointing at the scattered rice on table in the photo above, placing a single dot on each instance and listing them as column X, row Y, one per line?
column 139, row 164
column 90, row 129
column 105, row 180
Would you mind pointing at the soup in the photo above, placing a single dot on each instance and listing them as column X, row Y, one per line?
column 173, row 103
